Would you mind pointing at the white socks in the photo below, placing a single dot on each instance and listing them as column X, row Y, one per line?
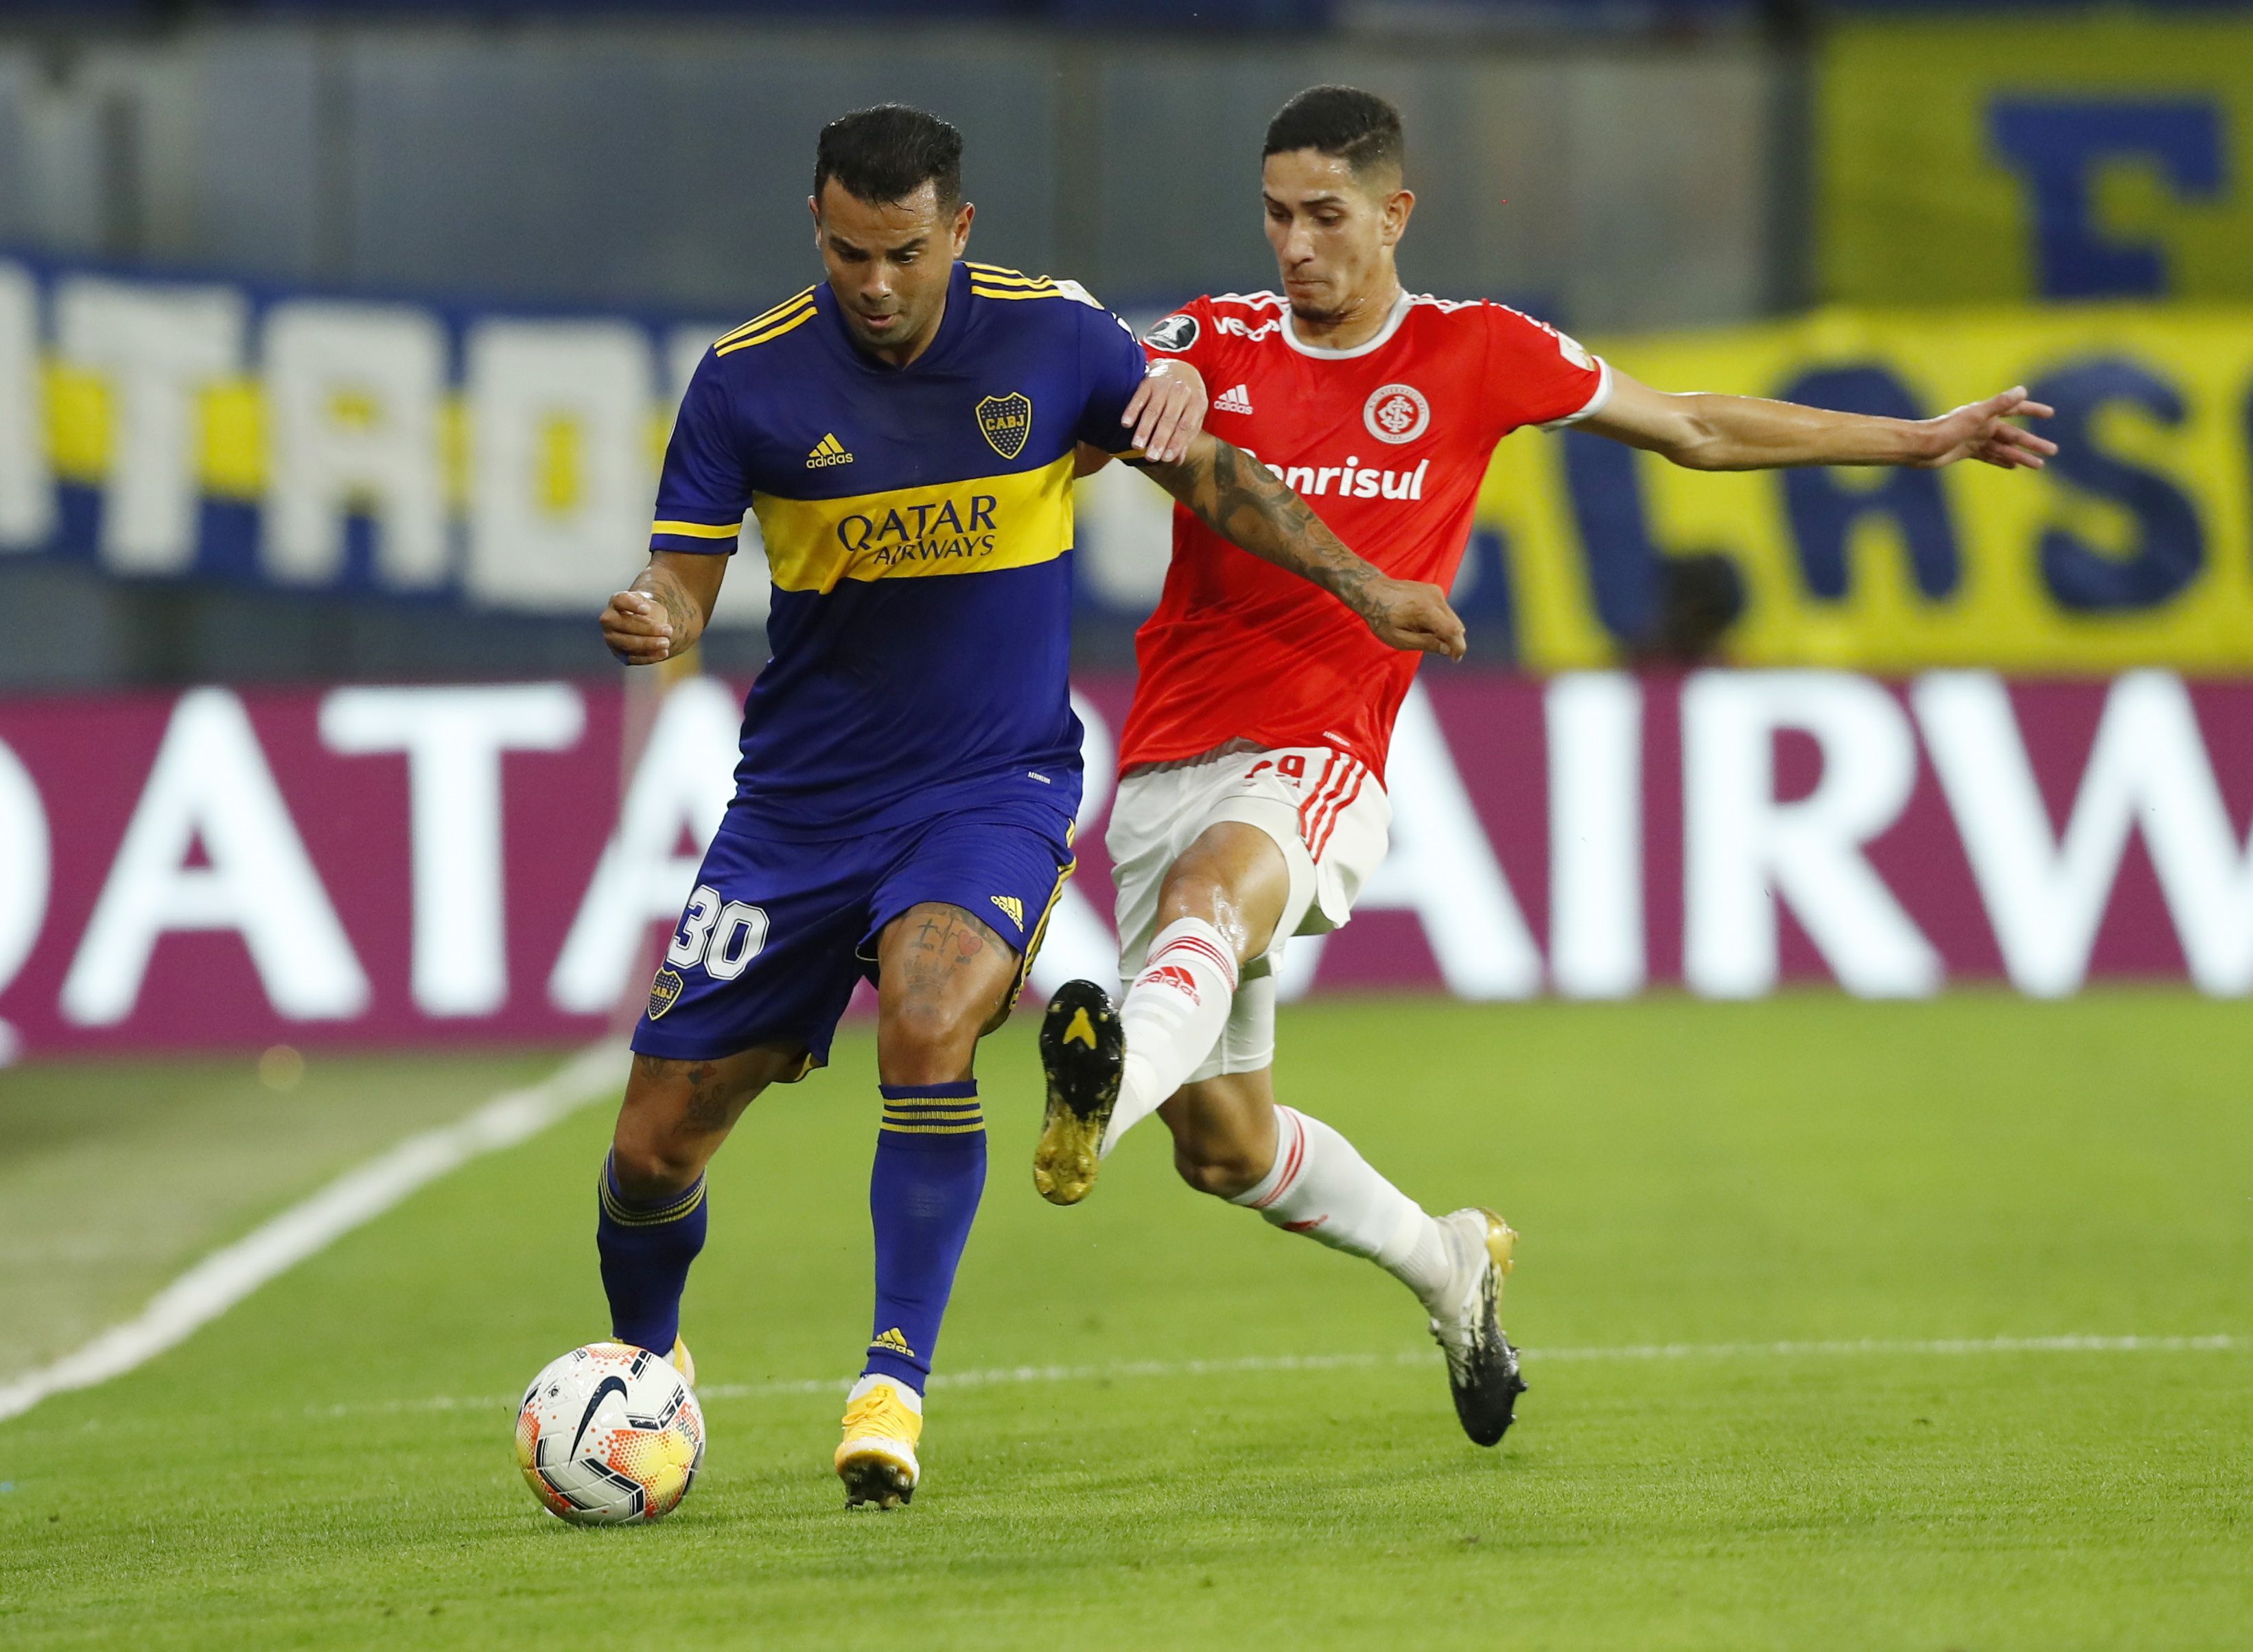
column 909, row 1397
column 1318, row 1186
column 1173, row 1015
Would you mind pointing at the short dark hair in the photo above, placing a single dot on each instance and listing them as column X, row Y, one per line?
column 887, row 153
column 1359, row 128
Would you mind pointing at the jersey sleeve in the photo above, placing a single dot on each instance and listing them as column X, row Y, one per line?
column 1536, row 375
column 1111, row 369
column 1186, row 335
column 702, row 493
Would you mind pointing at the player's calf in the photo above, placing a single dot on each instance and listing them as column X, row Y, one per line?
column 651, row 1206
column 1224, row 1132
column 1310, row 1181
column 647, row 1247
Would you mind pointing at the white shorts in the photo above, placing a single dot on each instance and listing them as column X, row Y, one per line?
column 1325, row 810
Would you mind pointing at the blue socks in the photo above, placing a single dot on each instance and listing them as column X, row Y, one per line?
column 922, row 1195
column 646, row 1248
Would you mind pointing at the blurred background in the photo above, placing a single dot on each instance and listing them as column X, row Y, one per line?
column 338, row 343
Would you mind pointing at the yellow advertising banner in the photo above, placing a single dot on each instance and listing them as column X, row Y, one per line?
column 2135, row 545
column 316, row 444
column 2022, row 159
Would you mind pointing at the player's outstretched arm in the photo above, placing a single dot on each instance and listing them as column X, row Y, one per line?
column 1704, row 432
column 665, row 610
column 1247, row 504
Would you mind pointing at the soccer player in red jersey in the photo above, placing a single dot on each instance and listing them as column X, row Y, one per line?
column 1251, row 805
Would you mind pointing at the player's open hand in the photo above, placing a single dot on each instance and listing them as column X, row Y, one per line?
column 1982, row 431
column 1166, row 410
column 637, row 629
column 1414, row 618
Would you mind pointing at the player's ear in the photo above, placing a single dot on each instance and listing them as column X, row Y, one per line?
column 961, row 231
column 814, row 207
column 1397, row 206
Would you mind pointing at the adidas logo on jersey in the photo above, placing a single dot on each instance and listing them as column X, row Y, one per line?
column 828, row 450
column 1236, row 401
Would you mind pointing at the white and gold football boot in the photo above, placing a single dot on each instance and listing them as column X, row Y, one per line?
column 1481, row 1365
column 876, row 1459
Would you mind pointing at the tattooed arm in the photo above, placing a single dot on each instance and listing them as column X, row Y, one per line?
column 1246, row 504
column 665, row 610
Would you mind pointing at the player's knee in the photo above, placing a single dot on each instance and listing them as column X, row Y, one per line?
column 650, row 1163
column 923, row 1041
column 1191, row 890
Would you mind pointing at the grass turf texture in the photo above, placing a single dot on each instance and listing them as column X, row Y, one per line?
column 114, row 1180
column 1807, row 1168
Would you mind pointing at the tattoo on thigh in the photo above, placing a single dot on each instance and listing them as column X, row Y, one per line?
column 943, row 937
column 708, row 1096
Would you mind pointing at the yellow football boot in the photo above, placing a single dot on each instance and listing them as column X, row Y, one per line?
column 683, row 1362
column 876, row 1460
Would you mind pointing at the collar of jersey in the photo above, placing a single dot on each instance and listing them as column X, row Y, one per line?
column 1393, row 317
column 950, row 325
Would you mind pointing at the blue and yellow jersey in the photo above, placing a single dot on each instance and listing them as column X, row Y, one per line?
column 918, row 527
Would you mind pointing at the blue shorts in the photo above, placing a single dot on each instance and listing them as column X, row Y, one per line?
column 780, row 929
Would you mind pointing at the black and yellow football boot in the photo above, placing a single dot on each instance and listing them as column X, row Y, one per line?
column 1083, row 1048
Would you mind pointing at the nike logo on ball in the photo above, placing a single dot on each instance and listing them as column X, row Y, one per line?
column 608, row 1386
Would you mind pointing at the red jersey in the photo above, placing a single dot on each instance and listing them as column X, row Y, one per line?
column 1387, row 442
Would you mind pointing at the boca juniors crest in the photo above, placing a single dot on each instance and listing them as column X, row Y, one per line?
column 1006, row 421
column 664, row 992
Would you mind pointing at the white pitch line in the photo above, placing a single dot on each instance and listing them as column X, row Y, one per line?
column 226, row 1276
column 1260, row 1363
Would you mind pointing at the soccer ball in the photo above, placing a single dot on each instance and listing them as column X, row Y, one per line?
column 609, row 1434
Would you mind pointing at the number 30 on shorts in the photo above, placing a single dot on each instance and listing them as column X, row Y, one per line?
column 724, row 938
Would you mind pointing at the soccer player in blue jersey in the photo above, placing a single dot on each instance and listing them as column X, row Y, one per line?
column 905, row 433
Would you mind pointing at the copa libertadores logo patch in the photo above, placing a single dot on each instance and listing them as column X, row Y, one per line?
column 1396, row 413
column 1173, row 335
column 664, row 992
column 1007, row 422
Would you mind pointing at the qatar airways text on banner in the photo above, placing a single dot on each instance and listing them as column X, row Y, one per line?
column 371, row 865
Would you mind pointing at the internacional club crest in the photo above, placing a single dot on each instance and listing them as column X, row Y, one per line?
column 1396, row 413
column 1006, row 421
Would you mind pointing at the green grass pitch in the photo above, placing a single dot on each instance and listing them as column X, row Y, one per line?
column 329, row 1465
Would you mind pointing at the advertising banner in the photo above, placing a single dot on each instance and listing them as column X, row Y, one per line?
column 370, row 866
column 2135, row 545
column 2010, row 159
column 223, row 431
